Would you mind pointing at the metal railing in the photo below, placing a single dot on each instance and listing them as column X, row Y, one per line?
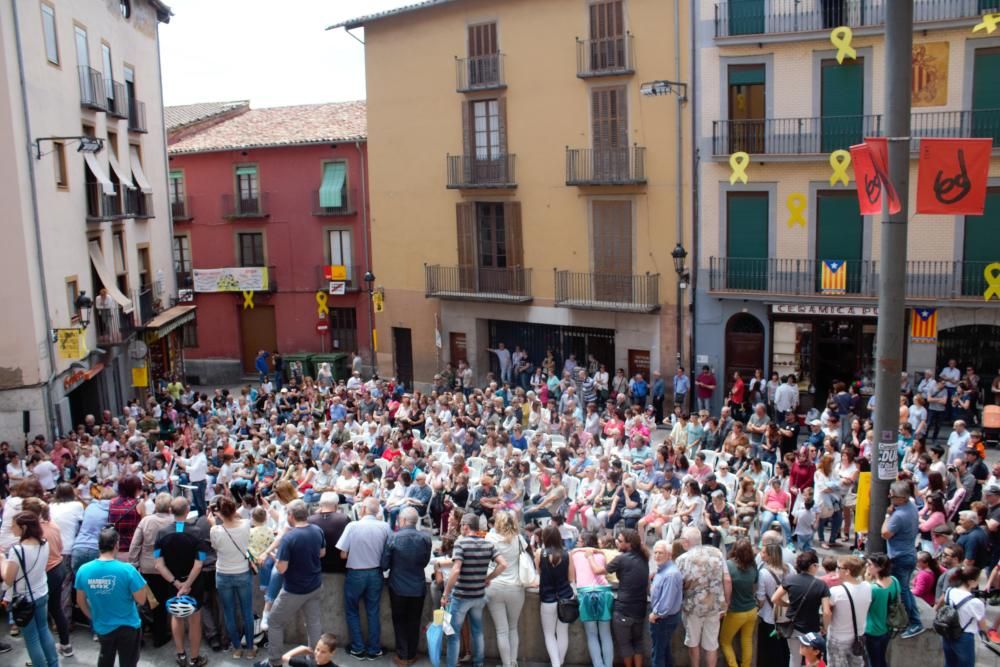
column 465, row 171
column 117, row 100
column 352, row 282
column 348, row 197
column 606, row 166
column 145, row 301
column 479, row 73
column 952, row 124
column 605, row 56
column 240, row 206
column 180, row 207
column 136, row 115
column 101, row 206
column 757, row 17
column 925, row 279
column 92, row 93
column 511, row 284
column 138, row 204
column 114, row 326
column 608, row 291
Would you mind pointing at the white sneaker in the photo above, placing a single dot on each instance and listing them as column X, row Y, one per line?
column 65, row 650
column 263, row 621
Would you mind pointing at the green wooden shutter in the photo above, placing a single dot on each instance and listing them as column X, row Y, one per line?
column 331, row 191
column 982, row 239
column 842, row 103
column 986, row 94
column 840, row 234
column 746, row 17
column 746, row 75
column 246, row 171
column 747, row 217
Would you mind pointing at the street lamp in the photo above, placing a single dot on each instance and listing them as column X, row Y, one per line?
column 83, row 305
column 679, row 254
column 369, row 279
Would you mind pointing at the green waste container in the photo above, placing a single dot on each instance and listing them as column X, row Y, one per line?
column 339, row 364
column 297, row 365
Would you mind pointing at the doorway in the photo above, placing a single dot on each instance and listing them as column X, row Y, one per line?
column 842, row 103
column 402, row 352
column 744, row 347
column 535, row 339
column 747, row 108
column 837, row 353
column 257, row 332
column 457, row 348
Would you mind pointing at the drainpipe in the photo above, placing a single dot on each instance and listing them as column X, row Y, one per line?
column 364, row 237
column 36, row 224
column 695, row 235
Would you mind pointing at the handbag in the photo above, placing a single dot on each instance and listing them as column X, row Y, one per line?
column 898, row 619
column 525, row 566
column 22, row 607
column 251, row 561
column 858, row 645
column 568, row 609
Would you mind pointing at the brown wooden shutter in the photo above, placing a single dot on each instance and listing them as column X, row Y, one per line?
column 612, row 250
column 512, row 228
column 468, row 137
column 465, row 217
column 503, row 161
column 607, row 19
column 482, row 39
column 598, row 117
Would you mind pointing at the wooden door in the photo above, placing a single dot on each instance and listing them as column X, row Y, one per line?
column 483, row 47
column 982, row 239
column 609, row 124
column 491, row 240
column 747, row 108
column 612, row 243
column 607, row 36
column 842, row 103
column 840, row 235
column 402, row 350
column 744, row 347
column 746, row 240
column 457, row 348
column 746, row 17
column 986, row 94
column 257, row 332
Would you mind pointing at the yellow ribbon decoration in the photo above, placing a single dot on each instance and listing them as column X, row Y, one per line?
column 321, row 307
column 739, row 162
column 840, row 160
column 247, row 299
column 796, row 205
column 989, row 23
column 992, row 275
column 841, row 38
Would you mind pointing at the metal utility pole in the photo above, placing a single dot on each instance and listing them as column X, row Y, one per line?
column 892, row 274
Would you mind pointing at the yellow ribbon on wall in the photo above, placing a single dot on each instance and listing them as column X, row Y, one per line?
column 840, row 160
column 321, row 307
column 247, row 299
column 841, row 38
column 739, row 162
column 992, row 275
column 796, row 205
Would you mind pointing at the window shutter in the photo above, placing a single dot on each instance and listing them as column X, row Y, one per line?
column 599, row 112
column 503, row 158
column 514, row 239
column 465, row 216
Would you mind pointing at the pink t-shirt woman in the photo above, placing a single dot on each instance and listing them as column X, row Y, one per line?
column 584, row 573
column 776, row 500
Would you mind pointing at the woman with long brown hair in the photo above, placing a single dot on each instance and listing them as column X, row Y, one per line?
column 24, row 572
column 555, row 571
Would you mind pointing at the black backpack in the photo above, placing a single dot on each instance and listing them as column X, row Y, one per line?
column 946, row 621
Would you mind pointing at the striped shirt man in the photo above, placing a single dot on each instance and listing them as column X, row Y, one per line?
column 476, row 555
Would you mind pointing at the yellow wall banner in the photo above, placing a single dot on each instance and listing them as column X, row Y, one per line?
column 140, row 377
column 71, row 343
column 864, row 502
column 231, row 279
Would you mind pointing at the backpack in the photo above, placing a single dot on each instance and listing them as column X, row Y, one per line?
column 946, row 621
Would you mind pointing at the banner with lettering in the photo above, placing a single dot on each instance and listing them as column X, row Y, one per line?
column 952, row 176
column 231, row 279
column 871, row 176
column 71, row 344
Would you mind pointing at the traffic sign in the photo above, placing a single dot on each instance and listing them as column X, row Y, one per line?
column 338, row 288
column 322, row 326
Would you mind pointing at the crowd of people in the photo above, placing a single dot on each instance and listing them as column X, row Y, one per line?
column 210, row 520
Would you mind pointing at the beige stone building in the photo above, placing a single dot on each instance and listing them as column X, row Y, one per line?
column 84, row 190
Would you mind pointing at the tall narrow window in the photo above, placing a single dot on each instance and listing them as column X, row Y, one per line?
column 486, row 124
column 182, row 261
column 251, row 247
column 87, row 91
column 72, row 292
column 607, row 36
column 483, row 62
column 747, row 108
column 178, row 202
column 49, row 33
column 121, row 268
column 59, row 163
column 609, row 122
column 485, row 135
column 612, row 249
column 247, row 190
column 109, row 86
column 340, row 250
column 145, row 270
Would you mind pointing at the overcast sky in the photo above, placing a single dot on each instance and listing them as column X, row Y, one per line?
column 269, row 52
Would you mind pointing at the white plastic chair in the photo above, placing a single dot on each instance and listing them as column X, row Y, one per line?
column 476, row 463
column 711, row 458
column 383, row 464
column 572, row 484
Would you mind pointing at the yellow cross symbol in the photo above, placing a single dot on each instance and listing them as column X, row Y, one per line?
column 989, row 23
column 738, row 162
column 992, row 275
column 321, row 307
column 796, row 205
column 840, row 160
column 841, row 38
column 247, row 299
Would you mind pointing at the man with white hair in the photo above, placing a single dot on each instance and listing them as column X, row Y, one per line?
column 707, row 588
column 361, row 546
column 665, row 599
column 405, row 557
column 974, row 540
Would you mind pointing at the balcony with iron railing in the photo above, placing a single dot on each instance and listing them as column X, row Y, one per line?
column 820, row 135
column 605, row 56
column 472, row 172
column 926, row 280
column 145, row 300
column 245, row 206
column 624, row 165
column 479, row 73
column 745, row 18
column 136, row 116
column 92, row 93
column 472, row 283
column 348, row 197
column 327, row 282
column 138, row 204
column 608, row 291
column 117, row 101
column 180, row 208
column 101, row 206
column 114, row 326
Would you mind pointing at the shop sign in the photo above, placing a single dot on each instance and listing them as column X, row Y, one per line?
column 835, row 309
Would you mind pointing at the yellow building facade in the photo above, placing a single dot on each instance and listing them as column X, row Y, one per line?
column 523, row 189
column 769, row 84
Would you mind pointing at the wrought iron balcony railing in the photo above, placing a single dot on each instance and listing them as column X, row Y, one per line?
column 605, row 56
column 348, row 197
column 608, row 291
column 479, row 73
column 471, row 283
column 136, row 115
column 180, row 207
column 624, row 165
column 114, row 326
column 245, row 206
column 470, row 171
column 92, row 93
column 925, row 279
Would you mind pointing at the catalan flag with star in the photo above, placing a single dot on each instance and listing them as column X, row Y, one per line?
column 833, row 277
column 923, row 325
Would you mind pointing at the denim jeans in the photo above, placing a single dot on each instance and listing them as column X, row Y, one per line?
column 198, row 497
column 877, row 647
column 236, row 595
column 902, row 568
column 767, row 518
column 834, row 522
column 662, row 634
column 272, row 581
column 960, row 652
column 81, row 556
column 363, row 585
column 473, row 608
column 599, row 643
column 37, row 637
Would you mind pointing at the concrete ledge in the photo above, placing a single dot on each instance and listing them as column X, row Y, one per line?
column 221, row 372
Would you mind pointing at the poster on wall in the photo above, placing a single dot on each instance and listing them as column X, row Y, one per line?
column 930, row 74
column 231, row 279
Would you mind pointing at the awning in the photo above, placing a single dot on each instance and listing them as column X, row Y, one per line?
column 107, row 278
column 170, row 319
column 124, row 177
column 79, row 376
column 332, row 189
column 140, row 176
column 98, row 171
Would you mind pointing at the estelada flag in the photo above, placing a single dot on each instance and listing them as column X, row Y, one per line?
column 871, row 176
column 923, row 325
column 833, row 276
column 952, row 176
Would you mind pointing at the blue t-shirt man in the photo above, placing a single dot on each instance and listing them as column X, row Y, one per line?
column 301, row 548
column 109, row 586
column 903, row 524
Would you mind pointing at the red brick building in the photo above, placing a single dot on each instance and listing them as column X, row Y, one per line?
column 270, row 212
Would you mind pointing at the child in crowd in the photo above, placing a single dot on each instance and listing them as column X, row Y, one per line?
column 812, row 648
column 832, row 576
column 321, row 656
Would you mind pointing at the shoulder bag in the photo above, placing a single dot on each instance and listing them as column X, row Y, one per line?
column 251, row 561
column 786, row 629
column 525, row 566
column 858, row 645
column 22, row 606
column 897, row 618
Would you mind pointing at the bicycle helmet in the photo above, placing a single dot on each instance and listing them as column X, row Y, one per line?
column 181, row 606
